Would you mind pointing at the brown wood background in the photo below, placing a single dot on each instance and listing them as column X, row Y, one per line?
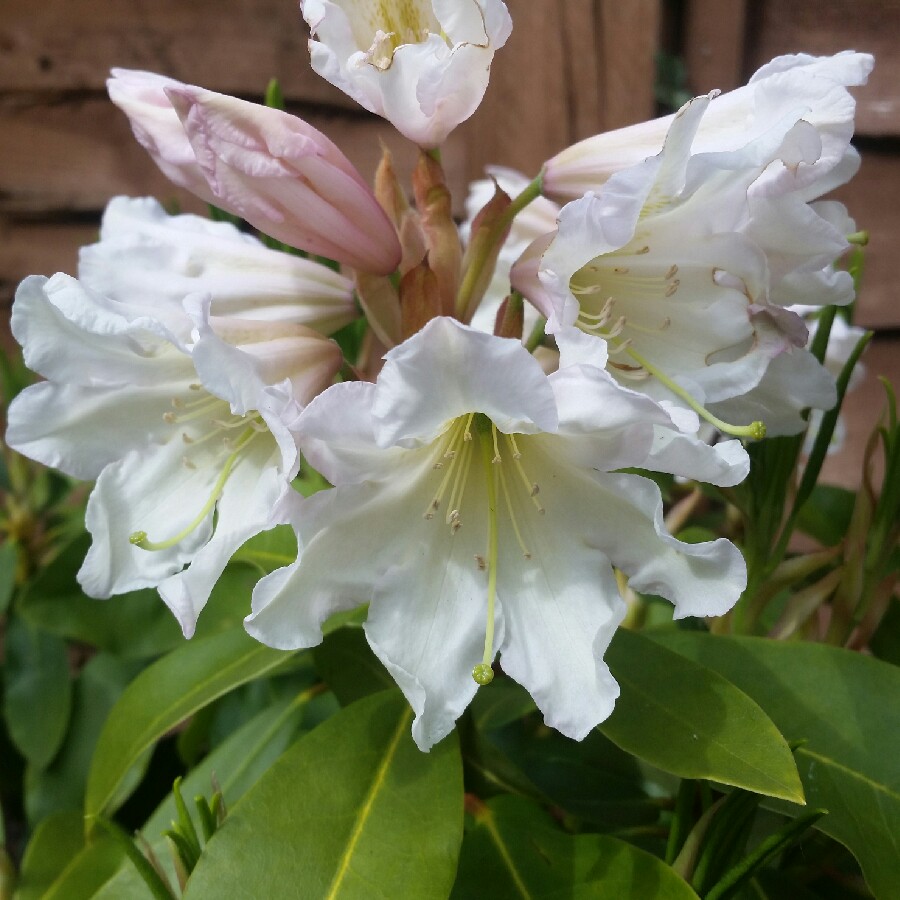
column 570, row 69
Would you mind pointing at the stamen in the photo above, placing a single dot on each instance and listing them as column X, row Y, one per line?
column 532, row 487
column 512, row 516
column 140, row 539
column 483, row 673
column 459, row 485
column 496, row 458
column 755, row 430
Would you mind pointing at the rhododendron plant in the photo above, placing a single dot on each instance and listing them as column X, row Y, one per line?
column 476, row 542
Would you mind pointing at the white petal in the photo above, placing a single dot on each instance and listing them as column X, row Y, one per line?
column 244, row 510
column 448, row 369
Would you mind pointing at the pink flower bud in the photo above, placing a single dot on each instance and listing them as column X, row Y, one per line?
column 271, row 168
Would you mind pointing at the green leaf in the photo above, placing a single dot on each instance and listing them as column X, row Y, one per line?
column 351, row 810
column 842, row 705
column 135, row 625
column 9, row 561
column 237, row 764
column 690, row 721
column 61, row 785
column 38, row 691
column 826, row 515
column 54, row 844
column 269, row 550
column 591, row 779
column 163, row 695
column 514, row 852
column 349, row 667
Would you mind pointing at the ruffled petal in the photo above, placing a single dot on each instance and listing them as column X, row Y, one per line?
column 245, row 509
column 448, row 369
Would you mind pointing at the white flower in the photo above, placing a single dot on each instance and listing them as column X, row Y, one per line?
column 175, row 434
column 150, row 260
column 422, row 64
column 793, row 89
column 477, row 511
column 666, row 262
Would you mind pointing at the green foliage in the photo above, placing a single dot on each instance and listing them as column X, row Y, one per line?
column 688, row 720
column 163, row 696
column 512, row 849
column 840, row 705
column 352, row 808
column 37, row 678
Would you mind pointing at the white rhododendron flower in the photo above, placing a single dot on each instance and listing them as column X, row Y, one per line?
column 151, row 260
column 421, row 64
column 274, row 170
column 477, row 510
column 179, row 436
column 797, row 88
column 663, row 264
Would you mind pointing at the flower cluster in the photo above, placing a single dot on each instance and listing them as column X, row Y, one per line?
column 484, row 501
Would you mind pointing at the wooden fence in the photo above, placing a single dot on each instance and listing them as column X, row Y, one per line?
column 571, row 68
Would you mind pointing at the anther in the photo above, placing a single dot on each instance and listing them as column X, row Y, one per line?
column 177, row 403
column 621, row 270
column 480, row 563
column 170, row 418
column 643, row 250
column 186, row 438
column 195, row 387
column 186, row 462
column 672, row 288
column 673, row 271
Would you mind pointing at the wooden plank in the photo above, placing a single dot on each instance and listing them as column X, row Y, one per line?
column 568, row 71
column 713, row 44
column 873, row 198
column 523, row 119
column 234, row 46
column 74, row 156
column 820, row 28
column 627, row 44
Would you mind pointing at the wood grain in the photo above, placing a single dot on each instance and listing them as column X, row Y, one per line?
column 234, row 46
column 714, row 35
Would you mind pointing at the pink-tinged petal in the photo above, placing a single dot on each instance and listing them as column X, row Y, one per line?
column 448, row 369
column 157, row 128
column 286, row 178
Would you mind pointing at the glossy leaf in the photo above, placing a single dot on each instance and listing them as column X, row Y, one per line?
column 515, row 852
column 350, row 809
column 163, row 695
column 38, row 691
column 137, row 624
column 843, row 706
column 9, row 560
column 688, row 720
column 61, row 785
column 349, row 667
column 237, row 765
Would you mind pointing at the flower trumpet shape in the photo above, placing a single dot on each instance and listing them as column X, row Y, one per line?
column 477, row 511
column 666, row 262
column 797, row 88
column 189, row 443
column 422, row 64
column 148, row 259
column 269, row 167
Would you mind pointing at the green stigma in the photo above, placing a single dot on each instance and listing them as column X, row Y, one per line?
column 483, row 674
